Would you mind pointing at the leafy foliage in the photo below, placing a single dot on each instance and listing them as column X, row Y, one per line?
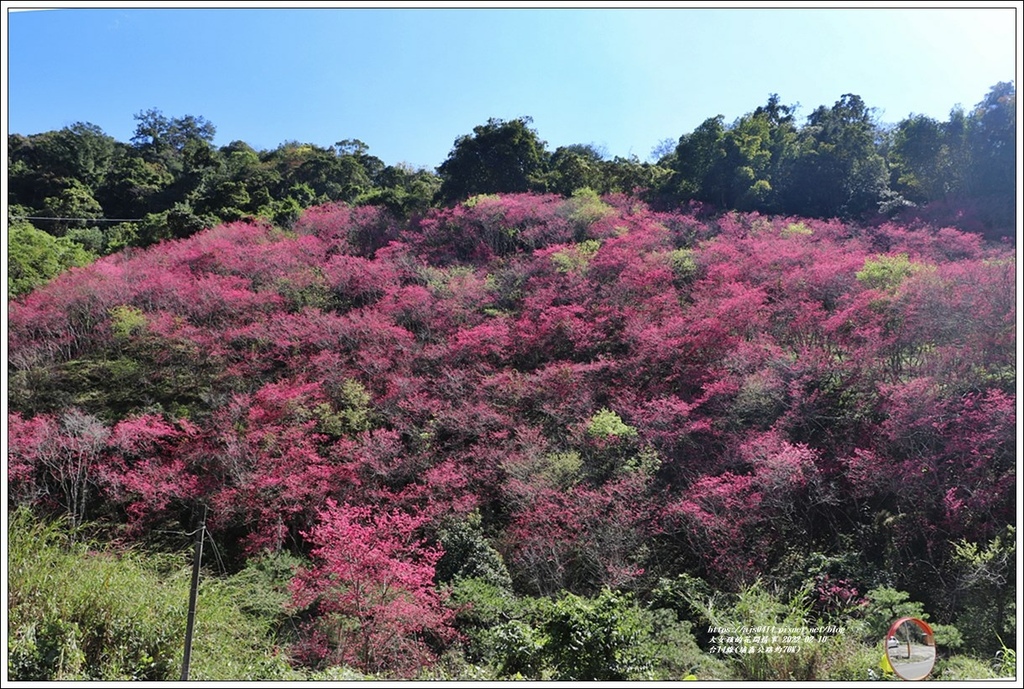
column 500, row 156
column 36, row 257
column 372, row 585
column 78, row 612
column 597, row 639
column 170, row 181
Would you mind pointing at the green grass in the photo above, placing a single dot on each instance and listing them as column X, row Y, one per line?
column 78, row 612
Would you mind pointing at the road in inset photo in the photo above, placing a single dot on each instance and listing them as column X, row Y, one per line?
column 914, row 666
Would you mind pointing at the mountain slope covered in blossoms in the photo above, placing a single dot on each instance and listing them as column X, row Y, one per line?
column 527, row 397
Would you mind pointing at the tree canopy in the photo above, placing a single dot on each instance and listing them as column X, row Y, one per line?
column 499, row 156
column 171, row 180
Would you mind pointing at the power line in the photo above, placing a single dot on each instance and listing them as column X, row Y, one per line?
column 39, row 217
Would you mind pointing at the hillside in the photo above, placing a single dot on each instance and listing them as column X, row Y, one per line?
column 528, row 397
column 77, row 193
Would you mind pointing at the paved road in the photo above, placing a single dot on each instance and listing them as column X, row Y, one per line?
column 920, row 663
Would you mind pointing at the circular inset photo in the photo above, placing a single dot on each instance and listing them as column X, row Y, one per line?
column 910, row 648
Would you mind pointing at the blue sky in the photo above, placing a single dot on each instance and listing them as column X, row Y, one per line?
column 408, row 81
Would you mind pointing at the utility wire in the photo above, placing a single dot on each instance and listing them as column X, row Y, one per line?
column 216, row 552
column 38, row 217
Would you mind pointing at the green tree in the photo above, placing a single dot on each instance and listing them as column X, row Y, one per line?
column 157, row 135
column 35, row 257
column 747, row 163
column 985, row 588
column 359, row 152
column 81, row 151
column 181, row 148
column 993, row 168
column 919, row 159
column 24, row 186
column 631, row 176
column 321, row 171
column 239, row 184
column 697, row 161
column 782, row 141
column 955, row 131
column 885, row 606
column 228, row 199
column 598, row 639
column 74, row 206
column 341, row 173
column 44, row 165
column 500, row 156
column 575, row 167
column 468, row 554
column 135, row 187
column 199, row 159
column 992, row 138
column 738, row 166
column 837, row 170
column 403, row 190
column 182, row 220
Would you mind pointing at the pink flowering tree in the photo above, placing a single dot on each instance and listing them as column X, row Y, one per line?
column 372, row 593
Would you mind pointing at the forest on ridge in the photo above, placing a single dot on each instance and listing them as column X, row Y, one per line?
column 77, row 193
column 534, row 415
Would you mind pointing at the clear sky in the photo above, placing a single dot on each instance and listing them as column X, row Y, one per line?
column 409, row 80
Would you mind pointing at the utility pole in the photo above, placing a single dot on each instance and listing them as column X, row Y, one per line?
column 197, row 559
